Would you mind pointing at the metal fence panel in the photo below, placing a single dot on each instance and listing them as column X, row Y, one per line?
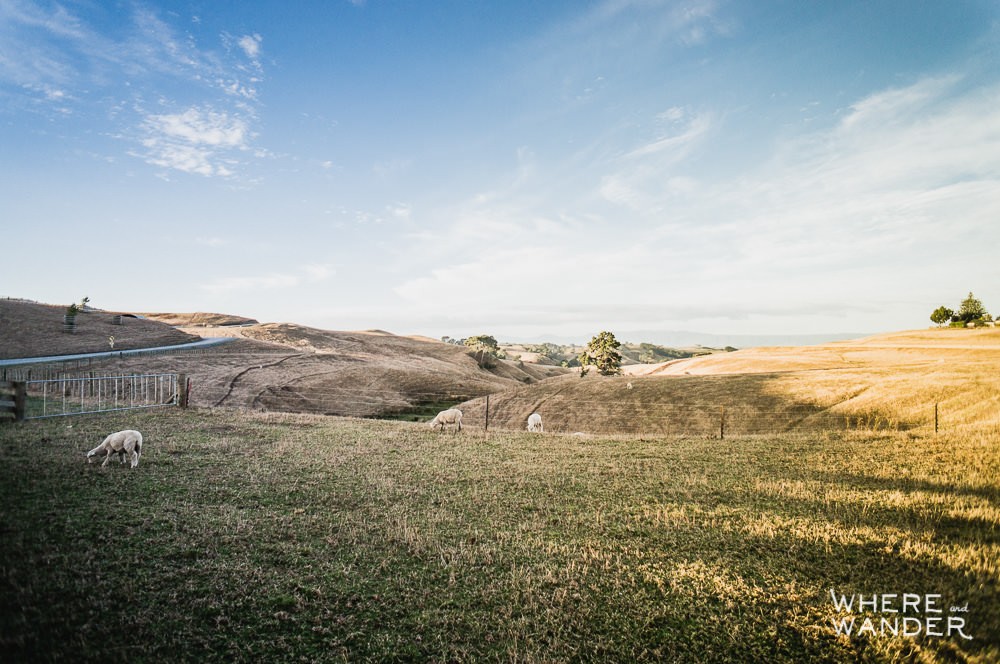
column 81, row 395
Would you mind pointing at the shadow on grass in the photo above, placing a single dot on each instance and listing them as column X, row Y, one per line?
column 908, row 485
column 728, row 405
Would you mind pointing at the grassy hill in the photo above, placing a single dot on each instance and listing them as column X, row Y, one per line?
column 199, row 319
column 887, row 381
column 31, row 329
column 282, row 367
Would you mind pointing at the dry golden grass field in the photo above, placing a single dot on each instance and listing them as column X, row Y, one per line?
column 890, row 381
column 717, row 511
column 272, row 366
column 893, row 381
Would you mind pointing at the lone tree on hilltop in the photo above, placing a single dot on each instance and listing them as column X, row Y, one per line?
column 942, row 315
column 971, row 310
column 602, row 352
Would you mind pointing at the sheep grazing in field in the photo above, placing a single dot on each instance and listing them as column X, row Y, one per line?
column 628, row 386
column 445, row 417
column 128, row 442
column 535, row 423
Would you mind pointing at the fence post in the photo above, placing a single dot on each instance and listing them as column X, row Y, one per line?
column 11, row 407
column 722, row 422
column 486, row 427
column 20, row 400
column 935, row 417
column 182, row 390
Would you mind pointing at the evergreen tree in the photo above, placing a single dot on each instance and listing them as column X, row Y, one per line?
column 971, row 309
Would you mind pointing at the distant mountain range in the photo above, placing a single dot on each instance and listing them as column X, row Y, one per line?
column 682, row 339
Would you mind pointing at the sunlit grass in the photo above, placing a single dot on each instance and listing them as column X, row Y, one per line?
column 270, row 537
column 896, row 382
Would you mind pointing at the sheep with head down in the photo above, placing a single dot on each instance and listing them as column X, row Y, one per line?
column 122, row 443
column 535, row 423
column 446, row 417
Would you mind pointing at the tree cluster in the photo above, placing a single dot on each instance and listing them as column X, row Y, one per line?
column 485, row 349
column 971, row 310
column 602, row 353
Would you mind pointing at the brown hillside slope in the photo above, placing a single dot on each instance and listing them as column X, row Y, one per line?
column 199, row 319
column 293, row 368
column 30, row 329
column 888, row 381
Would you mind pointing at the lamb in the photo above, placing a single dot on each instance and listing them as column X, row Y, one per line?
column 628, row 386
column 121, row 443
column 535, row 423
column 450, row 416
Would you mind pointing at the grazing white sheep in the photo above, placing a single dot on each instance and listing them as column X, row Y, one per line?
column 450, row 416
column 628, row 386
column 535, row 423
column 121, row 443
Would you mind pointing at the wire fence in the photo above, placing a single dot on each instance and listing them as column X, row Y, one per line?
column 604, row 416
column 418, row 396
column 59, row 397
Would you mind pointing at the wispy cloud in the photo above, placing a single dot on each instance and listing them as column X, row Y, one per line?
column 685, row 22
column 201, row 127
column 646, row 177
column 250, row 45
column 200, row 141
column 308, row 274
column 61, row 61
column 897, row 103
column 400, row 211
column 674, row 141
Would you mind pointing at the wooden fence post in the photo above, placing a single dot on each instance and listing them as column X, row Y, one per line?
column 486, row 427
column 935, row 417
column 20, row 400
column 722, row 423
column 13, row 397
column 182, row 390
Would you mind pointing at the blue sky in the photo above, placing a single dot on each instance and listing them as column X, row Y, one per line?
column 521, row 169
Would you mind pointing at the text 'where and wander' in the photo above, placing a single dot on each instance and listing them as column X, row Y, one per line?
column 898, row 614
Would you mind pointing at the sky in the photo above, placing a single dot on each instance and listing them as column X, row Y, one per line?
column 530, row 170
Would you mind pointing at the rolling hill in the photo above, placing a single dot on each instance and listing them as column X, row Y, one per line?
column 888, row 381
column 282, row 367
column 31, row 329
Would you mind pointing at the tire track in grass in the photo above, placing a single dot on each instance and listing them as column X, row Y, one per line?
column 232, row 383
